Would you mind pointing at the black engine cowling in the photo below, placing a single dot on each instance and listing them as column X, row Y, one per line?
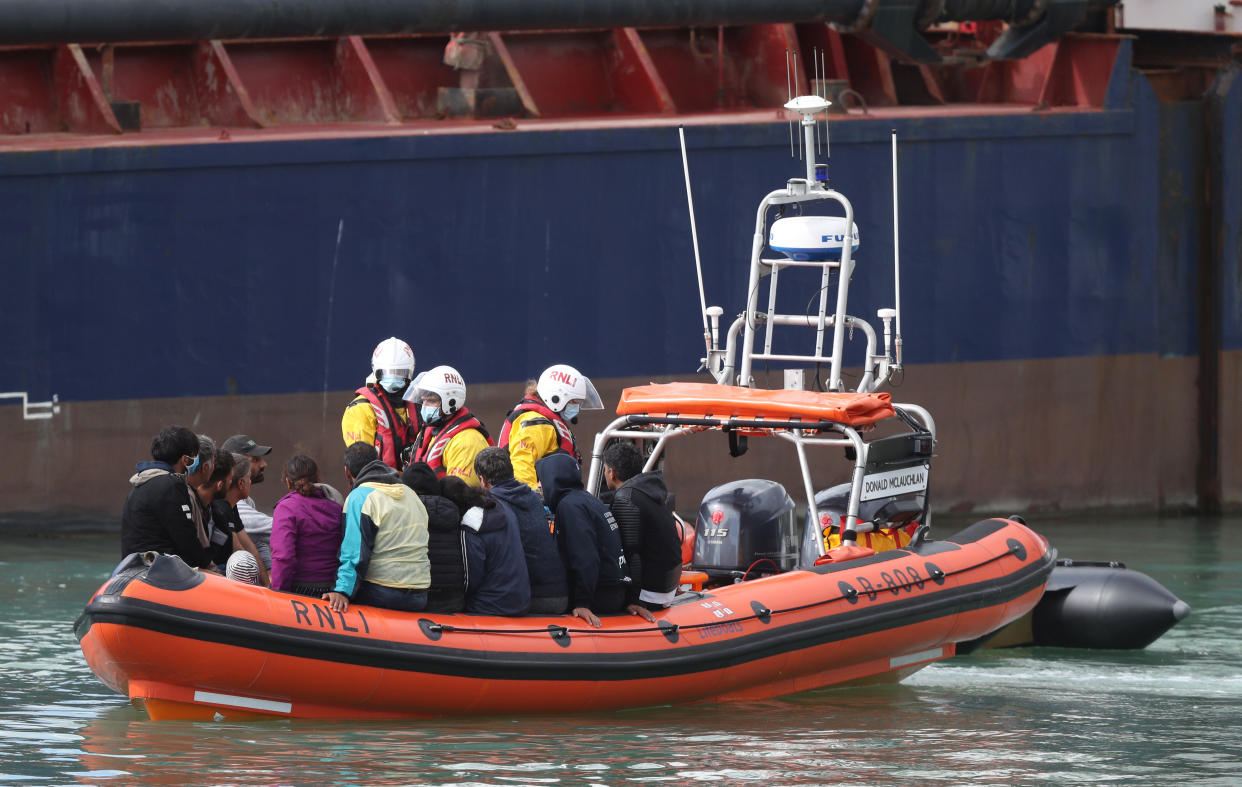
column 746, row 528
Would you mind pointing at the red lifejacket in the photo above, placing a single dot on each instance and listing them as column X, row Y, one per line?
column 563, row 432
column 392, row 434
column 434, row 439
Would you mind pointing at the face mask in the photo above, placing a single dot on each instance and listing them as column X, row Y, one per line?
column 392, row 384
column 190, row 470
column 429, row 412
column 571, row 411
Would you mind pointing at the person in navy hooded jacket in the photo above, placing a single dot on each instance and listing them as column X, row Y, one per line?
column 548, row 594
column 496, row 580
column 588, row 539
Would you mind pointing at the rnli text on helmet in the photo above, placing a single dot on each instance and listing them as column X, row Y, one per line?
column 562, row 377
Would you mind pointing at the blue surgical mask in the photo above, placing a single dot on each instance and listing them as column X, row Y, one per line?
column 571, row 411
column 429, row 412
column 392, row 384
column 197, row 461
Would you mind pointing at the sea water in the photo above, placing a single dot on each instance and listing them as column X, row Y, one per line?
column 1169, row 714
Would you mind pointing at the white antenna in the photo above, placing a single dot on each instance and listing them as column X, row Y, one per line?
column 797, row 92
column 694, row 235
column 788, row 98
column 814, row 84
column 823, row 93
column 896, row 254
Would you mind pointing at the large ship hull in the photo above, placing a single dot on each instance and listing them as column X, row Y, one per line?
column 1054, row 280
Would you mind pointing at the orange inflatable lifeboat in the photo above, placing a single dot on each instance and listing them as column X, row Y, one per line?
column 185, row 644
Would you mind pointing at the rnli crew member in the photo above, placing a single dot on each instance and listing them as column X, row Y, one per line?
column 648, row 530
column 587, row 537
column 452, row 436
column 537, row 426
column 258, row 525
column 549, row 594
column 378, row 415
column 383, row 561
column 158, row 513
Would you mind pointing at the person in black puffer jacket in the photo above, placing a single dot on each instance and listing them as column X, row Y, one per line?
column 548, row 590
column 588, row 539
column 445, row 540
column 648, row 531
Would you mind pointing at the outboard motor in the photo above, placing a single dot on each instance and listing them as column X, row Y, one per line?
column 746, row 529
column 894, row 492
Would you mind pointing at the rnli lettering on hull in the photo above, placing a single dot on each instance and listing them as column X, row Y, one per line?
column 894, row 482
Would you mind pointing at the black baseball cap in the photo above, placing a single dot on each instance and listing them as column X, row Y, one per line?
column 243, row 444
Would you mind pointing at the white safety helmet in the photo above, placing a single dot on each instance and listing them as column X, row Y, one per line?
column 444, row 382
column 392, row 364
column 561, row 384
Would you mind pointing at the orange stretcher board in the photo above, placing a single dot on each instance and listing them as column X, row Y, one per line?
column 726, row 401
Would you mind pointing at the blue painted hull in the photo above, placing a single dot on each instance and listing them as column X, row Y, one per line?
column 1026, row 235
column 273, row 268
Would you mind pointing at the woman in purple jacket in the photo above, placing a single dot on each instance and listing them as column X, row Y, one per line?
column 306, row 531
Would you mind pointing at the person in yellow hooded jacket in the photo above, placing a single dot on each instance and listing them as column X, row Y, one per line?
column 539, row 424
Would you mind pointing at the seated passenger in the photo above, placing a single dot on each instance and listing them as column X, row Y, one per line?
column 648, row 531
column 236, row 490
column 159, row 514
column 258, row 524
column 306, row 531
column 549, row 593
column 496, row 568
column 197, row 476
column 590, row 545
column 243, row 567
column 445, row 540
column 219, row 520
column 219, row 495
column 383, row 559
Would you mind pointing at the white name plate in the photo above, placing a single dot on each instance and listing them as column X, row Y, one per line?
column 894, row 482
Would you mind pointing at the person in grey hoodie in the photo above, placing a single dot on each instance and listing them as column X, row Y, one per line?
column 159, row 515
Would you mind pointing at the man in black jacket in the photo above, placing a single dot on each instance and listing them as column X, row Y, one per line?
column 445, row 540
column 158, row 514
column 648, row 530
column 587, row 536
column 549, row 594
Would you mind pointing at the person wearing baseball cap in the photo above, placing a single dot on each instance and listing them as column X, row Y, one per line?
column 257, row 524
